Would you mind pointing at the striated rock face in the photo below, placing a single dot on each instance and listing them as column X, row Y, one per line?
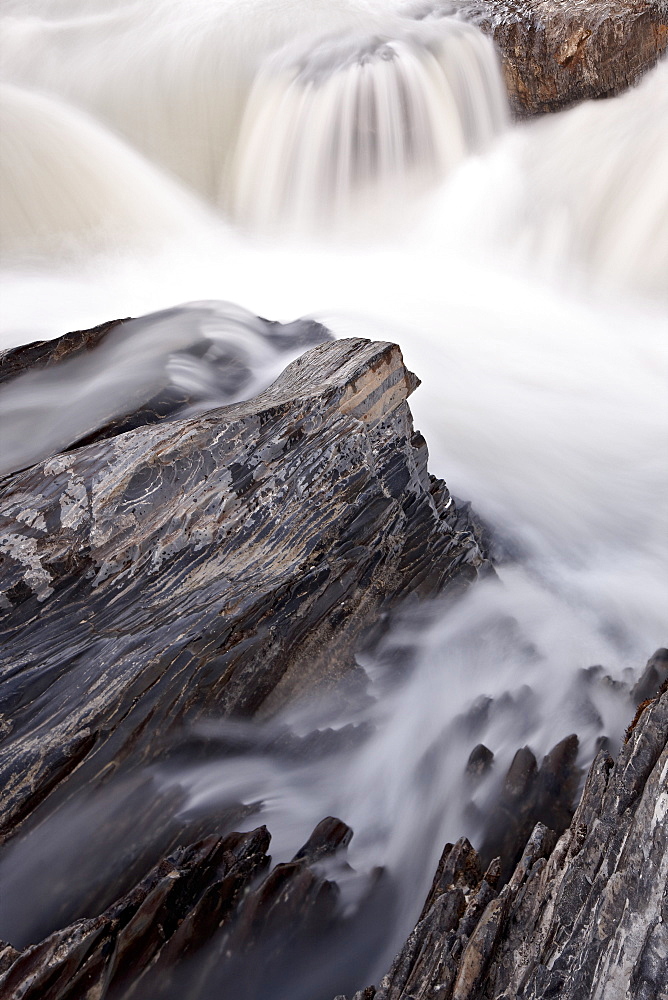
column 215, row 888
column 558, row 52
column 572, row 52
column 583, row 918
column 221, row 563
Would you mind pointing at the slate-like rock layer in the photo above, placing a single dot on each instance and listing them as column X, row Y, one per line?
column 583, row 919
column 219, row 564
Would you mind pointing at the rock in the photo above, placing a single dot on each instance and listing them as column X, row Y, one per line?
column 8, row 956
column 581, row 917
column 208, row 920
column 556, row 53
column 134, row 372
column 654, row 675
column 224, row 563
column 102, row 953
column 480, row 761
column 44, row 353
column 531, row 795
column 329, row 836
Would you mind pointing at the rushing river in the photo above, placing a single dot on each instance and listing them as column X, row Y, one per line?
column 355, row 162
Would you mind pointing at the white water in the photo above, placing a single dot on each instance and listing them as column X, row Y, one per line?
column 527, row 289
column 327, row 131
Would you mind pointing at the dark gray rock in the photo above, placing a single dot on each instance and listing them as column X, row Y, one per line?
column 208, row 920
column 653, row 677
column 579, row 919
column 530, row 795
column 224, row 563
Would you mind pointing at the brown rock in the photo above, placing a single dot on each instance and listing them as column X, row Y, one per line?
column 556, row 53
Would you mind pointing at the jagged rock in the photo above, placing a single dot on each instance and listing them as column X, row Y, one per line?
column 531, row 795
column 136, row 823
column 557, row 52
column 8, row 956
column 480, row 761
column 584, row 917
column 223, row 563
column 207, row 920
column 653, row 676
column 99, row 955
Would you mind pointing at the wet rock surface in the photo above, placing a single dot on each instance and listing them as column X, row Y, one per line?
column 580, row 917
column 556, row 53
column 95, row 384
column 224, row 563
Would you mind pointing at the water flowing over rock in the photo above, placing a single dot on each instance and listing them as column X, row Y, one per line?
column 329, row 127
column 301, row 116
column 211, row 916
column 584, row 917
column 228, row 561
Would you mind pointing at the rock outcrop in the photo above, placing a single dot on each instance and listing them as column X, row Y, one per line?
column 556, row 53
column 584, row 917
column 221, row 563
column 214, row 899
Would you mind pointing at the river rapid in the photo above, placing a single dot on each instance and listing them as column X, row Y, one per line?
column 355, row 162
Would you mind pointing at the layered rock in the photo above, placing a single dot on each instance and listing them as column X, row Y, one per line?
column 581, row 917
column 222, row 563
column 217, row 888
column 584, row 917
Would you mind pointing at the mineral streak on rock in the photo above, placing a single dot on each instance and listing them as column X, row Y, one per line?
column 223, row 563
column 558, row 52
column 579, row 919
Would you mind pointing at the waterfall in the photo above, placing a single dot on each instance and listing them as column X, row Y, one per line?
column 65, row 181
column 327, row 129
column 164, row 151
column 342, row 100
column 580, row 195
column 172, row 78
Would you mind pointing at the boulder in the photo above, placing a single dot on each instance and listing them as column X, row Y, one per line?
column 556, row 53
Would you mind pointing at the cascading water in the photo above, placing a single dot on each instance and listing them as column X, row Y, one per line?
column 329, row 129
column 65, row 180
column 544, row 406
column 201, row 354
column 172, row 78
